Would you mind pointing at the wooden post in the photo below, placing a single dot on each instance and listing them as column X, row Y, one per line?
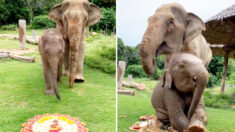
column 121, row 72
column 129, row 79
column 225, row 68
column 35, row 35
column 22, row 34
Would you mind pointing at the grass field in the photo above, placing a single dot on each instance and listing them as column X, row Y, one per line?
column 22, row 94
column 219, row 120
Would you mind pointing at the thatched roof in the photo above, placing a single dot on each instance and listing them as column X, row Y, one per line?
column 219, row 49
column 220, row 29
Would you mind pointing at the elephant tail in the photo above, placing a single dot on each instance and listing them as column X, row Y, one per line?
column 57, row 93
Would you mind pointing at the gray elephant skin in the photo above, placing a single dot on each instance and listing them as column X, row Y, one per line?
column 51, row 48
column 173, row 30
column 73, row 18
column 189, row 78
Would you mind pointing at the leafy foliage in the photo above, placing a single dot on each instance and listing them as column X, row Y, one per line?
column 135, row 71
column 104, row 3
column 131, row 56
column 101, row 52
column 10, row 27
column 40, row 22
column 13, row 10
column 108, row 22
column 217, row 100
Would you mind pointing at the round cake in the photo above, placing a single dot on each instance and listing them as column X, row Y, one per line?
column 54, row 123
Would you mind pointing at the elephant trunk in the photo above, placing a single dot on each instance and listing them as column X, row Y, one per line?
column 202, row 78
column 149, row 47
column 75, row 34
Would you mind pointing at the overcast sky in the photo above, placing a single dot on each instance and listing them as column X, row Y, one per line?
column 132, row 15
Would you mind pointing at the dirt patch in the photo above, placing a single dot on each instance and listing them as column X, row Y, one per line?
column 151, row 124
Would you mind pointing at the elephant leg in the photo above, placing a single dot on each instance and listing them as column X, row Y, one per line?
column 66, row 58
column 79, row 70
column 198, row 120
column 48, row 78
column 175, row 106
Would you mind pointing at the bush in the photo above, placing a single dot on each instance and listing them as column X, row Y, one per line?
column 135, row 71
column 217, row 100
column 108, row 52
column 108, row 22
column 157, row 74
column 100, row 52
column 42, row 22
column 10, row 27
column 213, row 80
column 100, row 63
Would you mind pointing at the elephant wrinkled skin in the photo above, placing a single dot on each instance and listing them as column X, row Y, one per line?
column 74, row 17
column 51, row 48
column 171, row 105
column 189, row 75
column 173, row 30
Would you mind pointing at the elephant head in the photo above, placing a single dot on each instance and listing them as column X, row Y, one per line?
column 74, row 17
column 168, row 29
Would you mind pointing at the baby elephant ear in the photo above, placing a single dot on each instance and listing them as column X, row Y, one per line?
column 167, row 80
column 94, row 15
column 194, row 27
column 55, row 13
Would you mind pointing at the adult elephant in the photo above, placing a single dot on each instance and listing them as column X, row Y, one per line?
column 73, row 17
column 172, row 30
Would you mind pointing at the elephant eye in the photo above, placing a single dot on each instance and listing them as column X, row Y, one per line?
column 170, row 23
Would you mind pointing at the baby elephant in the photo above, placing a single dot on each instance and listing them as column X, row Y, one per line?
column 51, row 47
column 189, row 75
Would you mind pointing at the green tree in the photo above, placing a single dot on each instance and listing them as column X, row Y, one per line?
column 15, row 10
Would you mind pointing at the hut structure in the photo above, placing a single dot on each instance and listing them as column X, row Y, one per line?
column 220, row 33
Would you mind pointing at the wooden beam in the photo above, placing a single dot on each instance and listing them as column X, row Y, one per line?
column 126, row 92
column 23, row 58
column 225, row 68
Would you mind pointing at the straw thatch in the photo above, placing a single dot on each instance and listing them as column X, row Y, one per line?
column 220, row 29
column 219, row 49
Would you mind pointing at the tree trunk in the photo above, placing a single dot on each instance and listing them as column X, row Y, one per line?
column 225, row 67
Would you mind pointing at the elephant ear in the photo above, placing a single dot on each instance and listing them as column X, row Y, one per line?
column 94, row 14
column 194, row 27
column 167, row 80
column 55, row 13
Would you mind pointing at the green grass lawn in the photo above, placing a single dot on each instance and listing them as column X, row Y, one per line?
column 219, row 120
column 28, row 31
column 22, row 95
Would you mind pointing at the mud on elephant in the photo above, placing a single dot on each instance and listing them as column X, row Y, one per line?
column 73, row 17
column 51, row 48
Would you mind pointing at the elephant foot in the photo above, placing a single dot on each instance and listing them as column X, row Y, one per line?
column 79, row 78
column 50, row 92
column 196, row 129
column 66, row 72
column 196, row 125
column 71, row 80
column 165, row 125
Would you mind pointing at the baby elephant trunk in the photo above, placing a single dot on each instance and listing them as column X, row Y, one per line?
column 54, row 76
column 202, row 78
